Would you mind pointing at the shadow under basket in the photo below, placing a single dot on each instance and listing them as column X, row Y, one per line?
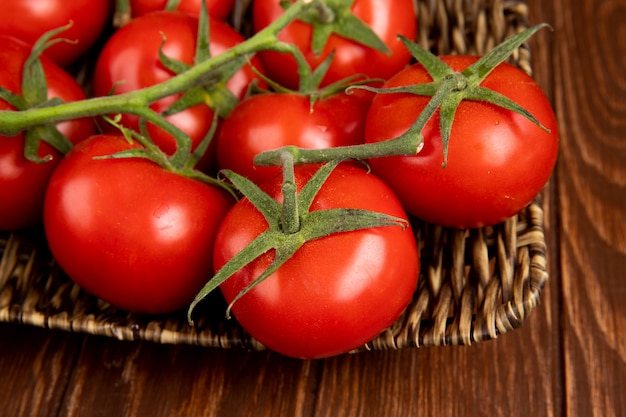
column 474, row 284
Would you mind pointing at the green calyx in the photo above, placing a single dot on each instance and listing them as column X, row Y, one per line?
column 447, row 90
column 335, row 16
column 211, row 88
column 175, row 163
column 123, row 11
column 35, row 95
column 290, row 224
column 311, row 79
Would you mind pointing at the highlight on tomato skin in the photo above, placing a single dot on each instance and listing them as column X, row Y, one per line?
column 336, row 293
column 498, row 161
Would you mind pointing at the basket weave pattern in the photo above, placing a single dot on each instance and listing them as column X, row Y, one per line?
column 474, row 284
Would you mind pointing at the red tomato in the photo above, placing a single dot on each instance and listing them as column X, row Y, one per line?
column 337, row 292
column 269, row 121
column 130, row 232
column 30, row 19
column 219, row 9
column 386, row 18
column 23, row 183
column 130, row 61
column 498, row 161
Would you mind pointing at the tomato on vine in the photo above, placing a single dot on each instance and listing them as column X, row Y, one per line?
column 130, row 60
column 494, row 162
column 325, row 271
column 127, row 230
column 273, row 120
column 362, row 34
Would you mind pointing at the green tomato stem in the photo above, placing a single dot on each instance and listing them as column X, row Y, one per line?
column 325, row 14
column 122, row 13
column 409, row 143
column 290, row 216
column 172, row 4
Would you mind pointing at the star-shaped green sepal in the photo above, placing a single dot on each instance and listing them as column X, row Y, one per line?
column 335, row 16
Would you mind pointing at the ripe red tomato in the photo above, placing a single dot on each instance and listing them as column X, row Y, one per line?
column 219, row 9
column 337, row 292
column 269, row 121
column 23, row 183
column 498, row 160
column 130, row 61
column 387, row 19
column 130, row 232
column 28, row 20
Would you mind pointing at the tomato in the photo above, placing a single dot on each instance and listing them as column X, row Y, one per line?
column 498, row 160
column 23, row 183
column 268, row 121
column 128, row 231
column 219, row 9
column 130, row 61
column 387, row 20
column 28, row 20
column 337, row 292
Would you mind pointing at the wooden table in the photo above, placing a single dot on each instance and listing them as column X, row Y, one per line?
column 569, row 358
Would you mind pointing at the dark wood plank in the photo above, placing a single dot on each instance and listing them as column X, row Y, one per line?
column 511, row 376
column 543, row 47
column 590, row 99
column 145, row 379
column 35, row 369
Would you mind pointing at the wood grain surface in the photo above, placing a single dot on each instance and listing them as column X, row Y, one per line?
column 569, row 358
column 589, row 202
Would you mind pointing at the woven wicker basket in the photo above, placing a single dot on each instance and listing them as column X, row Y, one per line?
column 474, row 284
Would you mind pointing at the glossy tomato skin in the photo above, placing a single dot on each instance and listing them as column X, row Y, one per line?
column 336, row 293
column 269, row 121
column 498, row 161
column 28, row 20
column 23, row 183
column 387, row 19
column 129, row 232
column 219, row 9
column 130, row 61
